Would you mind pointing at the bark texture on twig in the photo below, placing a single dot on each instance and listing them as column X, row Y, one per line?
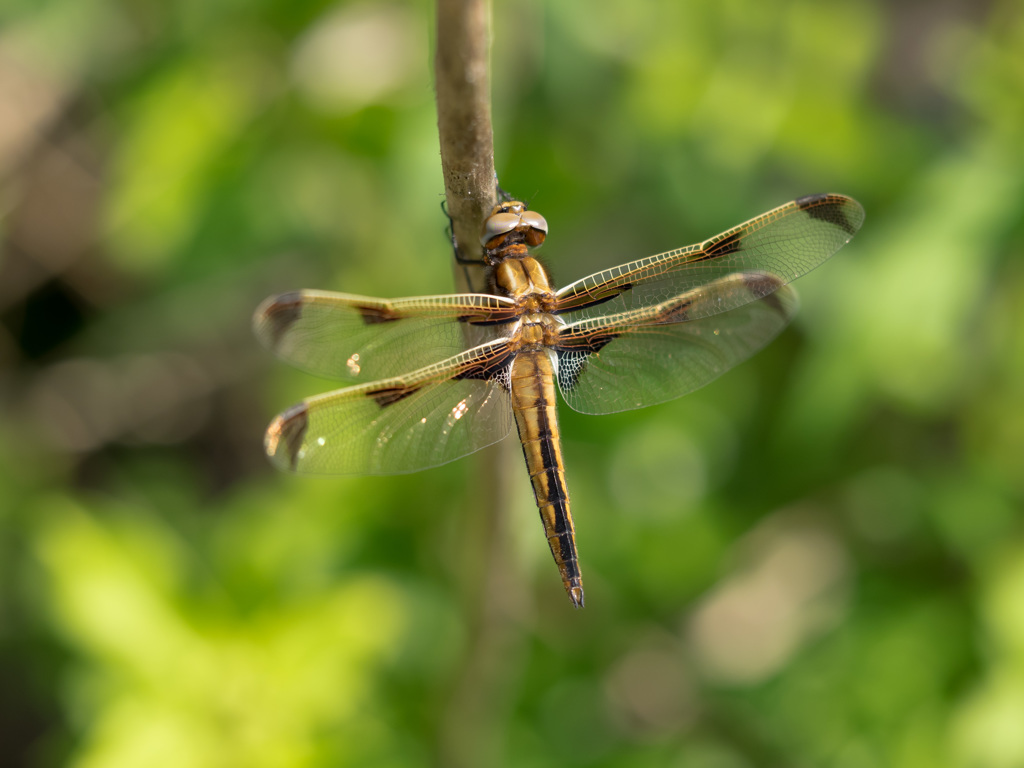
column 464, row 117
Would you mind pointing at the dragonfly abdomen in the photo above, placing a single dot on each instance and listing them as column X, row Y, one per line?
column 534, row 404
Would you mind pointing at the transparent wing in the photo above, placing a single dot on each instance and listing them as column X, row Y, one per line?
column 647, row 356
column 423, row 419
column 787, row 242
column 360, row 339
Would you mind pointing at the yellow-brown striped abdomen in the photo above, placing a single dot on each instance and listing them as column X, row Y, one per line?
column 534, row 403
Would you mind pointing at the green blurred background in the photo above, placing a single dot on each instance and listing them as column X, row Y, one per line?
column 818, row 560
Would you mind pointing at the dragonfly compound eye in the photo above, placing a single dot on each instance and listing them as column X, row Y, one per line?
column 538, row 227
column 496, row 226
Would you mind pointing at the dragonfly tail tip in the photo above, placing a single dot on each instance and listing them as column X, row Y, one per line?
column 576, row 596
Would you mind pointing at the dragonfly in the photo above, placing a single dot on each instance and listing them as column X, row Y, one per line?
column 431, row 379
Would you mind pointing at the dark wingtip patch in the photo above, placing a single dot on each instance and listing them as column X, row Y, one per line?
column 764, row 287
column 807, row 201
column 285, row 436
column 280, row 314
column 830, row 208
column 761, row 283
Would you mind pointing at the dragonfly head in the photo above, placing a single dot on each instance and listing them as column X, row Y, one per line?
column 510, row 222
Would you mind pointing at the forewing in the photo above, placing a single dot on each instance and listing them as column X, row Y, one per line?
column 424, row 419
column 646, row 356
column 361, row 339
column 786, row 242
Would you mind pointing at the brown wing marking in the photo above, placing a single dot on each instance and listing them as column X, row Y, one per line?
column 483, row 369
column 391, row 395
column 730, row 243
column 375, row 315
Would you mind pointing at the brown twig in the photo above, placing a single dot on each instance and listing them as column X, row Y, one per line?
column 470, row 729
column 464, row 117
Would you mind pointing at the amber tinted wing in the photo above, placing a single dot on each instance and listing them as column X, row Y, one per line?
column 646, row 356
column 787, row 242
column 361, row 339
column 428, row 417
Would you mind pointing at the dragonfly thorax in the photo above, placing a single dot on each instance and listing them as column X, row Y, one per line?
column 526, row 282
column 535, row 331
